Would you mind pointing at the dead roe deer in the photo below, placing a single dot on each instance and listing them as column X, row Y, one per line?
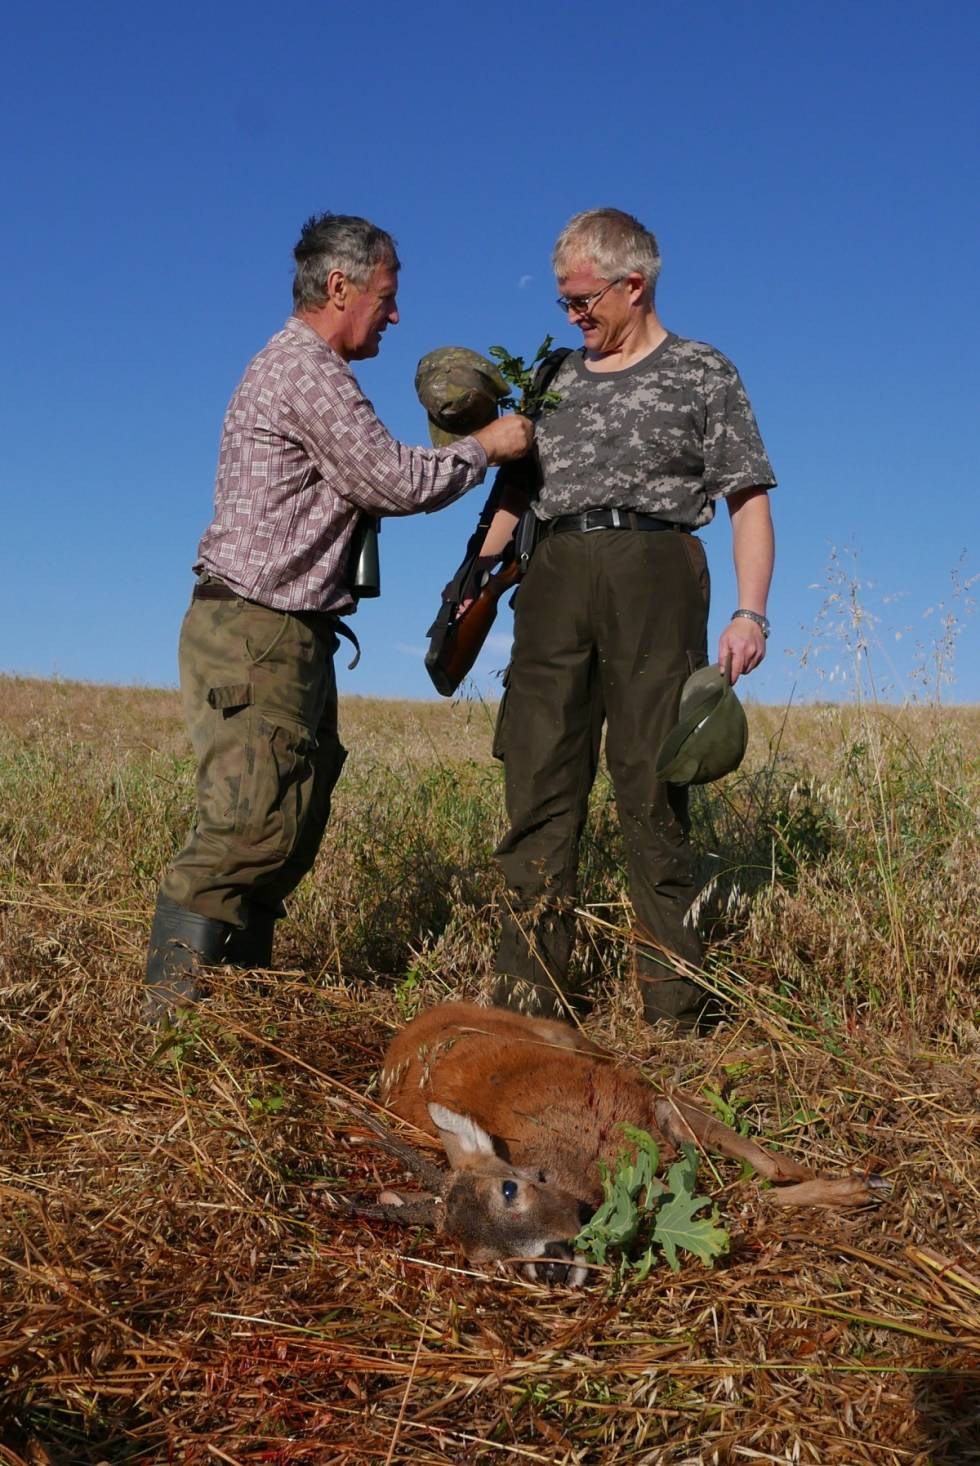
column 525, row 1109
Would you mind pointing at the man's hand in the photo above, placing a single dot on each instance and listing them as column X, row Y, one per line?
column 744, row 642
column 478, row 578
column 505, row 438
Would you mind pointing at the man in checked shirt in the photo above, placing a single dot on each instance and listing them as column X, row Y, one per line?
column 303, row 457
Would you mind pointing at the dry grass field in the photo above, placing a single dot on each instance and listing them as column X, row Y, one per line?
column 179, row 1278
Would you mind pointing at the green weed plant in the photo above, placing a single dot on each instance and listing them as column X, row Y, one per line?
column 641, row 1219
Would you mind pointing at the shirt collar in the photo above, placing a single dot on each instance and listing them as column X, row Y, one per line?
column 302, row 332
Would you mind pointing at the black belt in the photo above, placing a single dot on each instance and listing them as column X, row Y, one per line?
column 608, row 519
column 216, row 590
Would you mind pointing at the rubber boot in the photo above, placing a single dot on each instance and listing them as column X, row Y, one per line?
column 533, row 955
column 537, row 999
column 250, row 946
column 679, row 1001
column 181, row 942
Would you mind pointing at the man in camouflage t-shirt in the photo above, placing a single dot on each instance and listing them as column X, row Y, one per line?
column 667, row 436
column 649, row 431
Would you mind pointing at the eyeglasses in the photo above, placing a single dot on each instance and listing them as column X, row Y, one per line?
column 582, row 304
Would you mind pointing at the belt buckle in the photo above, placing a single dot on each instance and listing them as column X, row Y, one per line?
column 614, row 518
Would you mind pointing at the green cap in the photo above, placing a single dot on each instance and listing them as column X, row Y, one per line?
column 711, row 733
column 460, row 390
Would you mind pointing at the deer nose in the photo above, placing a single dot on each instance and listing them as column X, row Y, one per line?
column 585, row 1213
column 553, row 1264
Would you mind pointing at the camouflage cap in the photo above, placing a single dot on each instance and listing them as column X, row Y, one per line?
column 460, row 391
column 711, row 734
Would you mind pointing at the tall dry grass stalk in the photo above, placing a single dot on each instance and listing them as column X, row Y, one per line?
column 178, row 1281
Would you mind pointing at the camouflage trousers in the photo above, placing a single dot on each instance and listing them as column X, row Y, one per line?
column 608, row 625
column 260, row 702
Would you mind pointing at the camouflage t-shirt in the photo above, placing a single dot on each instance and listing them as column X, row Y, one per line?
column 666, row 436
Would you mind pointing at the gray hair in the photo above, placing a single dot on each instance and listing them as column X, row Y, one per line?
column 337, row 242
column 616, row 243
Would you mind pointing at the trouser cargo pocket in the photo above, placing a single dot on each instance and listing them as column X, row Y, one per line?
column 276, row 786
column 231, row 699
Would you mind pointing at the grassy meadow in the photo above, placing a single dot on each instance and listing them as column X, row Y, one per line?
column 180, row 1280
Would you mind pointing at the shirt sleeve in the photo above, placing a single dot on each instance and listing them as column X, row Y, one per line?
column 734, row 455
column 359, row 459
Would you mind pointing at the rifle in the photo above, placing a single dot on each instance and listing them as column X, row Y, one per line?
column 454, row 651
column 455, row 640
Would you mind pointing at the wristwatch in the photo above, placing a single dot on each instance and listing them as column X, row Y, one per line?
column 761, row 621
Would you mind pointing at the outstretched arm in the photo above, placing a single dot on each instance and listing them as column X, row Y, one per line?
column 753, row 548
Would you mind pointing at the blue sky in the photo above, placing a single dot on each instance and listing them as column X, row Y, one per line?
column 809, row 169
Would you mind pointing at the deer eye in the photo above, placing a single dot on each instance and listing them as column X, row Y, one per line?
column 509, row 1190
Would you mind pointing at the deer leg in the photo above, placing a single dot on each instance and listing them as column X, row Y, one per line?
column 835, row 1191
column 681, row 1121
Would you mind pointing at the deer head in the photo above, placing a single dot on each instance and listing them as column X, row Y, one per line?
column 498, row 1212
column 494, row 1211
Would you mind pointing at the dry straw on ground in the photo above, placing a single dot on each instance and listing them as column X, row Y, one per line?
column 177, row 1279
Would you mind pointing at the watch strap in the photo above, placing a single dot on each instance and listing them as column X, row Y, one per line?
column 761, row 621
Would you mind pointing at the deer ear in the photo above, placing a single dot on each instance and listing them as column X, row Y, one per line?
column 462, row 1138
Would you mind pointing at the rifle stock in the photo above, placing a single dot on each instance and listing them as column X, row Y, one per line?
column 465, row 636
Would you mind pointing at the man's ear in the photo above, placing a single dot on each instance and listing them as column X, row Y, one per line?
column 337, row 289
column 464, row 1142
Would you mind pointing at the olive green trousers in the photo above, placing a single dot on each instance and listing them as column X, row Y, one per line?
column 608, row 625
column 260, row 703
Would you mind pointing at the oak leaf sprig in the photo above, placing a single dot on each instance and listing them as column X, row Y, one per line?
column 641, row 1218
column 520, row 377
